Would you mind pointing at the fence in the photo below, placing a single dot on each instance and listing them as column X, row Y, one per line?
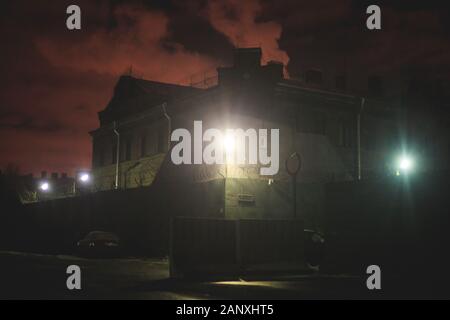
column 202, row 246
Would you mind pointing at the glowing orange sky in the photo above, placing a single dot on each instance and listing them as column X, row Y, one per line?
column 54, row 81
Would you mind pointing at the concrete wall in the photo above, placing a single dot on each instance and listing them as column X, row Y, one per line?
column 139, row 216
column 275, row 201
column 132, row 174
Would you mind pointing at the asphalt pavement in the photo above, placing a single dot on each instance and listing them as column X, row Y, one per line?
column 37, row 276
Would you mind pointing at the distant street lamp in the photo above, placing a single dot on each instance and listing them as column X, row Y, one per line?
column 44, row 186
column 81, row 182
column 404, row 165
column 84, row 177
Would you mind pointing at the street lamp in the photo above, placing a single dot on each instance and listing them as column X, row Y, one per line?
column 44, row 186
column 84, row 177
column 404, row 165
column 229, row 145
column 82, row 182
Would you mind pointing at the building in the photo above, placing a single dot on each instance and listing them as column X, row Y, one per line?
column 338, row 136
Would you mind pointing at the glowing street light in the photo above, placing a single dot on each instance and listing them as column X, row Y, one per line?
column 84, row 177
column 44, row 186
column 228, row 143
column 405, row 164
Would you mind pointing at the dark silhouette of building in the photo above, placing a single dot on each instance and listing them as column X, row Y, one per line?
column 338, row 135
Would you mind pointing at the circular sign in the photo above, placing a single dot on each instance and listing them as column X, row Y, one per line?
column 293, row 163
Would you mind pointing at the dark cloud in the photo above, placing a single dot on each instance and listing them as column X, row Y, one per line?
column 192, row 30
column 28, row 123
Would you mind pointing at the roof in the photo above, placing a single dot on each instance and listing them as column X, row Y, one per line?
column 132, row 95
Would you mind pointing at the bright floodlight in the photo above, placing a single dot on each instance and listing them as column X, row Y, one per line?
column 228, row 143
column 405, row 164
column 84, row 177
column 44, row 186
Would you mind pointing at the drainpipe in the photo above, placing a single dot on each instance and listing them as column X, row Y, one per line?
column 358, row 136
column 116, row 183
column 169, row 125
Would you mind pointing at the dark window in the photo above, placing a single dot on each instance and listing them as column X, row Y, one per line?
column 162, row 140
column 375, row 86
column 345, row 134
column 341, row 82
column 143, row 145
column 369, row 138
column 305, row 122
column 314, row 77
column 311, row 122
column 341, row 133
column 128, row 150
column 101, row 157
column 321, row 123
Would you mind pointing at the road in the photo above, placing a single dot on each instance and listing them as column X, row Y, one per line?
column 36, row 276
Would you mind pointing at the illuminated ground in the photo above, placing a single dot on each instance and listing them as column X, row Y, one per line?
column 31, row 276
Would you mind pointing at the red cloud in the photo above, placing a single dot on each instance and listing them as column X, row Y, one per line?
column 136, row 41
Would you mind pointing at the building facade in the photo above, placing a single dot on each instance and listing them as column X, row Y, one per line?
column 338, row 137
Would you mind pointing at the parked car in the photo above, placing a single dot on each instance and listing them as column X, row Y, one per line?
column 314, row 248
column 99, row 244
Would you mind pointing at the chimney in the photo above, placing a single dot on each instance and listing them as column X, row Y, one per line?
column 44, row 174
column 64, row 175
column 54, row 175
column 247, row 58
column 247, row 69
column 275, row 69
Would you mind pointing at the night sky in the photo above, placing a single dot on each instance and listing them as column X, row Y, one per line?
column 54, row 81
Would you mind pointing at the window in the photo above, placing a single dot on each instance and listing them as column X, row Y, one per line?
column 128, row 150
column 341, row 82
column 345, row 134
column 304, row 121
column 314, row 77
column 369, row 137
column 311, row 122
column 320, row 123
column 101, row 157
column 162, row 140
column 375, row 86
column 144, row 145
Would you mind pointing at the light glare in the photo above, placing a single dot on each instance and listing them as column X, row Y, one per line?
column 84, row 177
column 405, row 164
column 44, row 186
column 228, row 143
